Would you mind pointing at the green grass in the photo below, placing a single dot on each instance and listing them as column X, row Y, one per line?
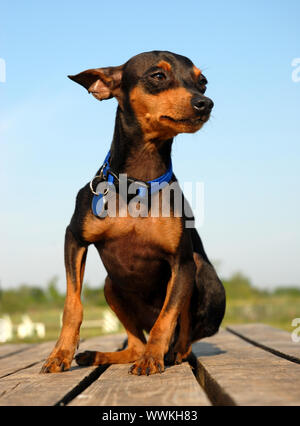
column 248, row 304
column 278, row 311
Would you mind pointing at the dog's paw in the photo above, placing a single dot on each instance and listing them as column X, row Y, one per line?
column 86, row 358
column 147, row 365
column 56, row 364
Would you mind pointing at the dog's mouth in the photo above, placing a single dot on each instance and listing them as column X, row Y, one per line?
column 190, row 121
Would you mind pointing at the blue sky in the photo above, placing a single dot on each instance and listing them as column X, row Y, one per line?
column 53, row 136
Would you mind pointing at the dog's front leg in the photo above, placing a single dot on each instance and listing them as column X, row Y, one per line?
column 179, row 291
column 61, row 357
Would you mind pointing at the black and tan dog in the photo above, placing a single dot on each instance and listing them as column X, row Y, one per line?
column 160, row 280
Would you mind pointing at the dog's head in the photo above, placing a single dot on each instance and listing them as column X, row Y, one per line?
column 163, row 91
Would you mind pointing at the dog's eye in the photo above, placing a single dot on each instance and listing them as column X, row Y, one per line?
column 158, row 76
column 202, row 84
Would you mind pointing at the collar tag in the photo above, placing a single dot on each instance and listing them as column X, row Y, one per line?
column 100, row 200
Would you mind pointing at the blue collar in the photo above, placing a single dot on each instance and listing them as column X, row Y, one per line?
column 105, row 173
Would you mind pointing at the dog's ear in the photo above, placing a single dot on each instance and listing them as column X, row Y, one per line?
column 102, row 83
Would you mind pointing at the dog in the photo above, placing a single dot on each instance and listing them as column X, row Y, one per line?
column 160, row 280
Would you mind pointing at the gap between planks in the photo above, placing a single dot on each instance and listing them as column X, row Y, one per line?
column 8, row 350
column 28, row 387
column 177, row 386
column 235, row 372
column 231, row 370
column 270, row 339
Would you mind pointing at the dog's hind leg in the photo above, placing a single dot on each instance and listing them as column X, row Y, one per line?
column 208, row 300
column 183, row 347
column 61, row 357
column 136, row 338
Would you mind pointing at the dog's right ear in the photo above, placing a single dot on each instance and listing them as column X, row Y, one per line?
column 102, row 83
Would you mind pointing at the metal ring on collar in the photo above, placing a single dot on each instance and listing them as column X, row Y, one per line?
column 91, row 184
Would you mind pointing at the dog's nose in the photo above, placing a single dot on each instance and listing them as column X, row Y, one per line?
column 202, row 104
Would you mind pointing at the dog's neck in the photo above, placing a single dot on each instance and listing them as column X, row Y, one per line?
column 131, row 154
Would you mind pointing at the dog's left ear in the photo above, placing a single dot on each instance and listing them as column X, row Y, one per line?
column 102, row 83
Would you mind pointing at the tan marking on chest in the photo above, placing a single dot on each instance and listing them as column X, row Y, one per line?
column 164, row 232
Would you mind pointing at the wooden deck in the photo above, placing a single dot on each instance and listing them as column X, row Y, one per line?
column 242, row 365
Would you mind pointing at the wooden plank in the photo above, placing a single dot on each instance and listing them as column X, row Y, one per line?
column 28, row 387
column 21, row 360
column 269, row 338
column 234, row 372
column 177, row 386
column 12, row 348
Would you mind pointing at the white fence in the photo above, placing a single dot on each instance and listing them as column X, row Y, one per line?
column 27, row 328
column 108, row 322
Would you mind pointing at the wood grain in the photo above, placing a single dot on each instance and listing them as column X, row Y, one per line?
column 177, row 386
column 232, row 371
column 269, row 338
column 13, row 348
column 28, row 387
column 235, row 372
column 25, row 359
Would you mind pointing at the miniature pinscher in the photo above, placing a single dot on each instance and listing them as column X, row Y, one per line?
column 160, row 280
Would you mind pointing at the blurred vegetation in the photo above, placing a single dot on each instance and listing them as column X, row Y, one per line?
column 46, row 306
column 245, row 304
column 248, row 304
column 28, row 298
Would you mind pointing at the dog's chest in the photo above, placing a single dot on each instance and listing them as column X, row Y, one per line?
column 161, row 232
